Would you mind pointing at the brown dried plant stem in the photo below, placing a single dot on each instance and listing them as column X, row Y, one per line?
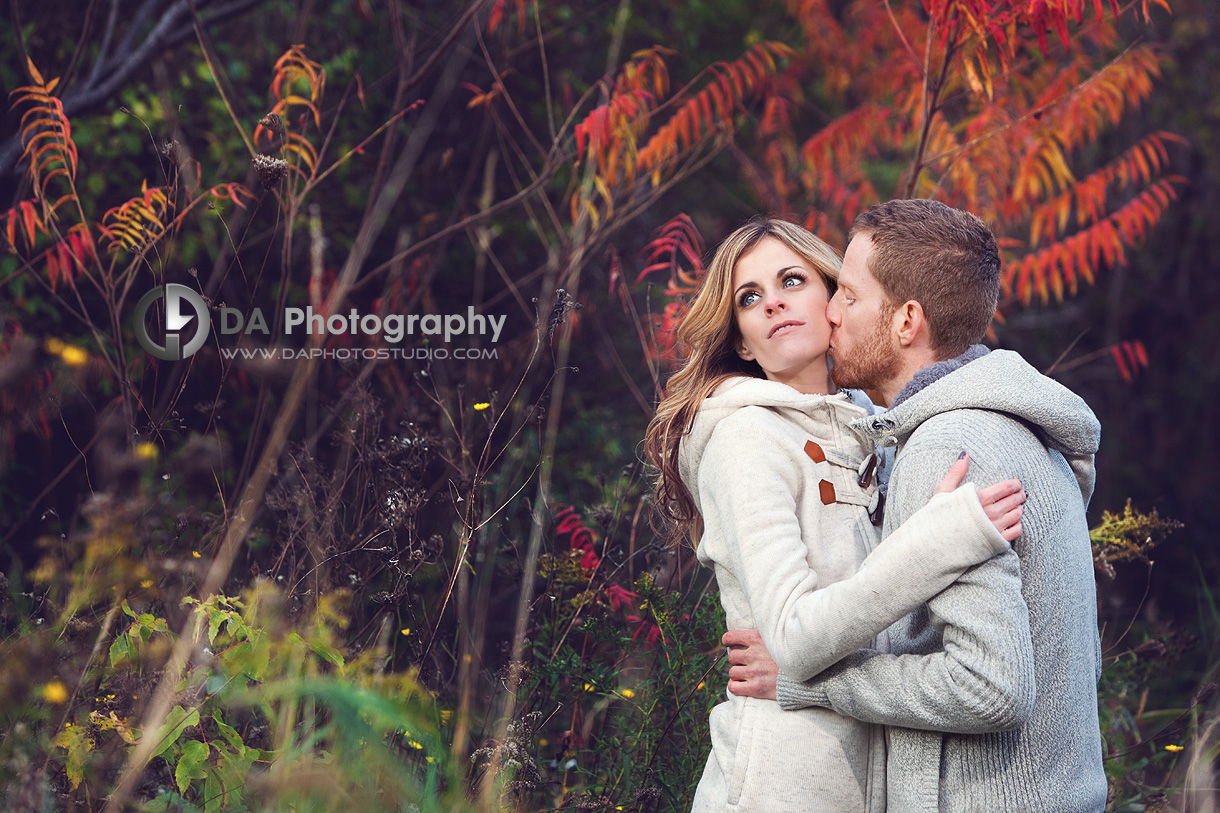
column 508, row 703
column 489, row 783
column 102, row 635
column 252, row 495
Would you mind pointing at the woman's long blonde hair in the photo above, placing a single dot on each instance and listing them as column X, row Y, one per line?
column 709, row 331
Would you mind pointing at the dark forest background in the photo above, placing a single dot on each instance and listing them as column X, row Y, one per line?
column 413, row 584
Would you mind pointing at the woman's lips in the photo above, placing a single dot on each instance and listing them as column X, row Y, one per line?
column 789, row 323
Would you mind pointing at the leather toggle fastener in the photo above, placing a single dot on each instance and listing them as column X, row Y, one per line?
column 864, row 474
column 876, row 511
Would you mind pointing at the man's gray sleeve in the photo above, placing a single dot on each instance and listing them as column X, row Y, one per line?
column 982, row 681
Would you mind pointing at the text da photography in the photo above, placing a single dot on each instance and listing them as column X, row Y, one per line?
column 393, row 328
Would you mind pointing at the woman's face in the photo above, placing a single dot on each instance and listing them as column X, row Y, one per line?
column 780, row 306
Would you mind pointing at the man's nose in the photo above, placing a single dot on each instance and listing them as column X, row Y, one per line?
column 832, row 311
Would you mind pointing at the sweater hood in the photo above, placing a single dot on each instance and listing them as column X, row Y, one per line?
column 740, row 392
column 1002, row 381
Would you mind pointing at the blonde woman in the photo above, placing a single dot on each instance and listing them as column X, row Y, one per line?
column 759, row 467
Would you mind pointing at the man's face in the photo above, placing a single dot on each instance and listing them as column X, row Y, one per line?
column 861, row 340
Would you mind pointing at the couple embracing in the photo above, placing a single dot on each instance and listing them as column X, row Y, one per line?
column 927, row 647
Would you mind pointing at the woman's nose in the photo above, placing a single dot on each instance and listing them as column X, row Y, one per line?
column 776, row 302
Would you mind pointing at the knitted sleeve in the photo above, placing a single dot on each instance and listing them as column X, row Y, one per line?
column 981, row 680
column 749, row 480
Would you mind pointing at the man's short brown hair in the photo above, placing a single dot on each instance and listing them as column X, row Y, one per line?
column 944, row 259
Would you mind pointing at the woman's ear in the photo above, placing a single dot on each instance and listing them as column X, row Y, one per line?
column 742, row 350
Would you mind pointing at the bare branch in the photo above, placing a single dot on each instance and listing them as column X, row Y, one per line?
column 110, row 74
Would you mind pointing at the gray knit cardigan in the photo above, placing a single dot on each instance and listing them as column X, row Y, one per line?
column 989, row 689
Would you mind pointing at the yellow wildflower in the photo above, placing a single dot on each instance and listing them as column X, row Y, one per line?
column 700, row 686
column 543, row 742
column 627, row 693
column 406, row 631
column 1173, row 748
column 54, row 346
column 74, row 356
column 481, row 406
column 146, row 451
column 588, row 687
column 146, row 583
column 55, row 692
column 195, row 553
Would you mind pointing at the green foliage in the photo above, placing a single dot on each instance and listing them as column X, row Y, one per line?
column 620, row 683
column 303, row 709
column 1131, row 760
column 1128, row 536
column 355, row 655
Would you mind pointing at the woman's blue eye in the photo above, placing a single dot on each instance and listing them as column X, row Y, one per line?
column 747, row 298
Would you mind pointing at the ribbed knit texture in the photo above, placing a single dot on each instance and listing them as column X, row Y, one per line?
column 1007, row 657
column 812, row 579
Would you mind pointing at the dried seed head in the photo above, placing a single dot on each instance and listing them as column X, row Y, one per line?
column 1151, row 648
column 1206, row 694
column 270, row 170
column 274, row 123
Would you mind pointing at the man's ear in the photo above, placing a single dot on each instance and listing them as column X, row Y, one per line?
column 910, row 325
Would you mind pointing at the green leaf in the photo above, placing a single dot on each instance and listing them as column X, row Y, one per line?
column 214, row 793
column 120, row 650
column 230, row 734
column 177, row 721
column 75, row 738
column 215, row 619
column 328, row 652
column 260, row 657
column 190, row 764
column 231, row 774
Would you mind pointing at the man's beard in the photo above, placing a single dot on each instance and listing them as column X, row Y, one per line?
column 871, row 365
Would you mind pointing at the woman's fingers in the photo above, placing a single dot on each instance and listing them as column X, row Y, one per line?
column 999, row 491
column 1004, row 504
column 999, row 508
column 1009, row 525
column 1006, row 515
column 955, row 475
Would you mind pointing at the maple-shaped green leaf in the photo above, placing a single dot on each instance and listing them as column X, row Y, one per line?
column 191, row 763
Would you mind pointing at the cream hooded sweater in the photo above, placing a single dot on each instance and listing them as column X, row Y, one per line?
column 800, row 561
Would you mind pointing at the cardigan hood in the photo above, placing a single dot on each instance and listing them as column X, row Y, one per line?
column 1001, row 381
column 741, row 392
